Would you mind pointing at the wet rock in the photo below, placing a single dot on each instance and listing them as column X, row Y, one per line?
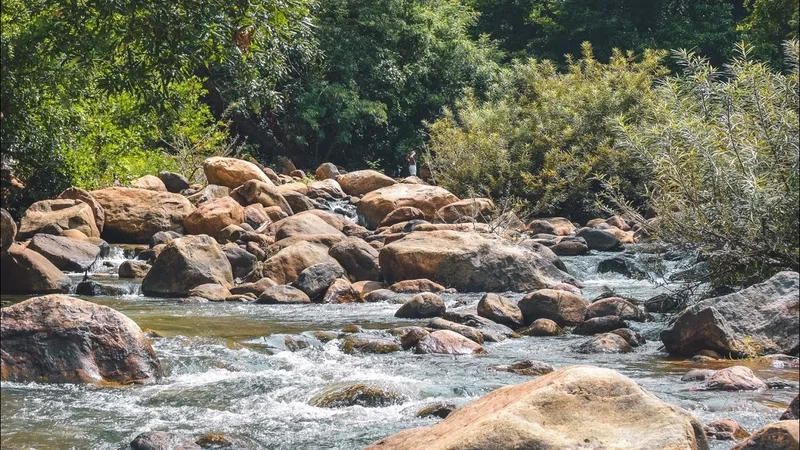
column 545, row 413
column 263, row 193
column 210, row 291
column 542, row 327
column 357, row 257
column 615, row 306
column 315, row 280
column 633, row 338
column 570, row 248
column 282, row 295
column 149, row 182
column 375, row 345
column 411, row 337
column 600, row 239
column 361, row 182
column 422, row 306
column 605, row 343
column 385, row 295
column 74, row 193
column 326, row 171
column 783, row 435
column 135, row 215
column 414, row 286
column 163, row 440
column 174, row 182
column 697, row 374
column 793, row 411
column 438, row 409
column 725, row 430
column 341, row 291
column 8, row 229
column 186, row 263
column 621, row 265
column 285, row 266
column 76, row 342
column 530, row 368
column 90, row 288
column 467, row 210
column 448, row 343
column 501, row 310
column 357, row 394
column 760, row 319
column 492, row 331
column 561, row 307
column 663, row 303
column 735, row 378
column 364, row 288
column 62, row 214
column 401, row 215
column 214, row 215
column 69, row 255
column 241, row 261
column 23, row 271
column 469, row 262
column 133, row 269
column 468, row 332
column 597, row 325
column 558, row 226
column 231, row 172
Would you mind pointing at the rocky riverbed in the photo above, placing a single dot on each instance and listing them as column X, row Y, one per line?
column 274, row 324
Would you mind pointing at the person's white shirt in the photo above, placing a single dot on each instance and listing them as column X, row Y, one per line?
column 412, row 169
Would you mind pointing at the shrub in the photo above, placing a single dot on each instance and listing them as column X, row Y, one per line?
column 724, row 148
column 545, row 136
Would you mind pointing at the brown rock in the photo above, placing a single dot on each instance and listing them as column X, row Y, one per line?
column 357, row 257
column 210, row 291
column 133, row 269
column 530, row 368
column 735, row 378
column 326, row 171
column 500, row 310
column 135, row 215
column 76, row 342
column 75, row 193
column 23, row 271
column 468, row 332
column 303, row 224
column 207, row 193
column 266, row 194
column 572, row 408
column 255, row 215
column 561, row 307
column 605, row 343
column 325, row 188
column 66, row 214
column 400, row 215
column 448, row 342
column 185, row 263
column 286, row 265
column 419, row 285
column 365, row 287
column 214, row 215
column 783, row 435
column 341, row 291
column 725, row 429
column 615, row 306
column 542, row 327
column 597, row 325
column 150, row 183
column 361, row 182
column 376, row 205
column 422, row 306
column 69, row 255
column 231, row 172
column 8, row 229
column 793, row 411
column 469, row 210
column 282, row 295
column 558, row 226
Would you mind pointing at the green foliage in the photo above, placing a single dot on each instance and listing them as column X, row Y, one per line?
column 724, row 149
column 544, row 135
column 387, row 66
column 770, row 23
column 553, row 28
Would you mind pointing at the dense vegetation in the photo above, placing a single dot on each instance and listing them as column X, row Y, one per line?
column 96, row 93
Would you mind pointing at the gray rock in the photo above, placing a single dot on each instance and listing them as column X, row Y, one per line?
column 358, row 258
column 422, row 306
column 174, row 182
column 600, row 240
column 492, row 331
column 597, row 325
column 242, row 262
column 186, row 263
column 315, row 280
column 605, row 343
column 69, row 255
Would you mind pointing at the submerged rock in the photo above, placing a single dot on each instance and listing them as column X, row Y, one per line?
column 163, row 440
column 369, row 344
column 571, row 408
column 532, row 368
column 605, row 343
column 448, row 343
column 438, row 409
column 75, row 342
column 357, row 394
column 764, row 318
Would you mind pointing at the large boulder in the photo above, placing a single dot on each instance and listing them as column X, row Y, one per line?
column 75, row 193
column 69, row 255
column 232, row 172
column 577, row 407
column 326, row 171
column 174, row 182
column 615, row 306
column 761, row 319
column 303, row 225
column 214, row 215
column 135, row 215
column 149, row 182
column 285, row 266
column 782, row 435
column 266, row 194
column 376, row 205
column 357, row 257
column 61, row 339
column 8, row 229
column 66, row 214
column 315, row 280
column 600, row 239
column 23, row 271
column 186, row 263
column 469, row 262
column 362, row 182
column 471, row 209
column 564, row 308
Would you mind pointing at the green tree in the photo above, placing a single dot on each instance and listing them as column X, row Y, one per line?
column 387, row 66
column 545, row 136
column 770, row 23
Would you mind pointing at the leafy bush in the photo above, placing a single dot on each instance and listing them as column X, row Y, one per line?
column 724, row 149
column 545, row 136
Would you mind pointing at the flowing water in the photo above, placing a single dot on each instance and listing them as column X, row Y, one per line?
column 229, row 371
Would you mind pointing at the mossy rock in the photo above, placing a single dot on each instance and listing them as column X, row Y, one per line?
column 355, row 344
column 356, row 394
column 438, row 409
